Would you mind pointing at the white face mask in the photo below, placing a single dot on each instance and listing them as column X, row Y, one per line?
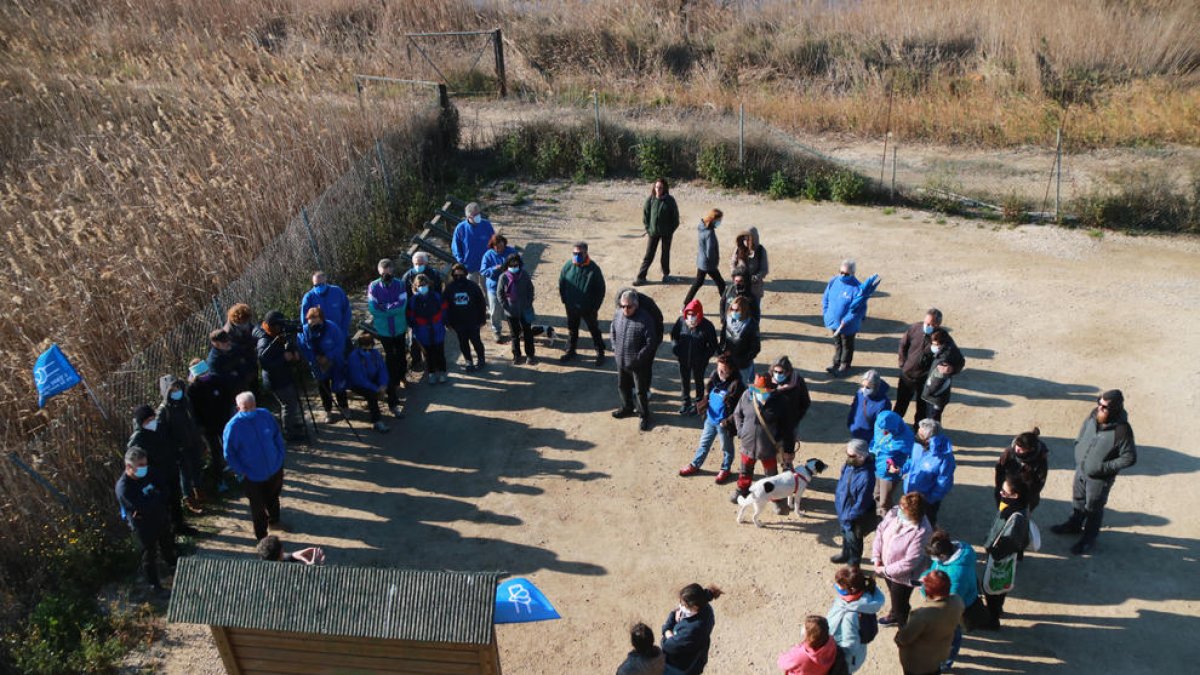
column 691, row 321
column 476, row 219
column 866, row 391
column 684, row 612
column 716, row 223
column 151, row 425
column 935, row 348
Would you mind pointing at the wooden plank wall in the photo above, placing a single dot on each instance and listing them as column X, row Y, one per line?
column 268, row 652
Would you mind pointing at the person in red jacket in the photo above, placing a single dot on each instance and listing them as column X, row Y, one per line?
column 815, row 655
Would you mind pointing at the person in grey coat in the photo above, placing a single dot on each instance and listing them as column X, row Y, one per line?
column 635, row 339
column 708, row 255
column 514, row 290
column 1103, row 449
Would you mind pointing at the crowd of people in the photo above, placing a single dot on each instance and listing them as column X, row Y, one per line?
column 894, row 482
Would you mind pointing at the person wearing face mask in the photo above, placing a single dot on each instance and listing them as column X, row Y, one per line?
column 687, row 632
column 935, row 393
column 491, row 267
column 222, row 362
column 930, row 468
column 892, row 444
column 916, row 360
column 178, row 424
column 368, row 377
column 254, row 449
column 856, row 596
column 636, row 333
column 751, row 255
column 790, row 385
column 1006, row 544
column 870, row 399
column 321, row 342
column 1028, row 457
column 1103, row 448
column 472, row 236
column 853, row 501
column 333, row 302
column 957, row 559
column 142, row 496
column 723, row 392
column 239, row 325
column 163, row 456
column 740, row 338
column 277, row 353
column 843, row 307
column 212, row 401
column 420, row 265
column 515, row 291
column 739, row 288
column 708, row 254
column 466, row 312
column 761, row 419
column 660, row 218
column 581, row 288
column 695, row 340
column 427, row 316
column 387, row 301
column 898, row 554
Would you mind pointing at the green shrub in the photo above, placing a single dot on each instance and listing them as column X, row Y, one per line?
column 781, row 186
column 653, row 160
column 1141, row 200
column 593, row 160
column 513, row 151
column 549, row 159
column 847, row 186
column 816, row 186
column 716, row 165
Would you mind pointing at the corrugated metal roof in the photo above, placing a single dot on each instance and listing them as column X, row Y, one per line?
column 371, row 602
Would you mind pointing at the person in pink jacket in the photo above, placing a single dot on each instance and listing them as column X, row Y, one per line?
column 899, row 553
column 815, row 654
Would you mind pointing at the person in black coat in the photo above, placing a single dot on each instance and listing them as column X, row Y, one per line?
column 790, row 384
column 163, row 456
column 212, row 401
column 635, row 333
column 687, row 632
column 696, row 343
column 740, row 338
column 277, row 353
column 466, row 312
column 1028, row 458
column 143, row 496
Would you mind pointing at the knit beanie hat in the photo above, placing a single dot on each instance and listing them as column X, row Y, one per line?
column 1115, row 398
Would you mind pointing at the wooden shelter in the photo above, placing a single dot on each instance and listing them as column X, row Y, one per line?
column 274, row 617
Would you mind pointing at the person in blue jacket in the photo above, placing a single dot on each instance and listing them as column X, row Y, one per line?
column 331, row 299
column 427, row 319
column 254, row 449
column 368, row 376
column 930, row 469
column 957, row 559
column 844, row 306
column 869, row 400
column 687, row 632
column 471, row 238
column 321, row 342
column 853, row 501
column 891, row 445
column 490, row 268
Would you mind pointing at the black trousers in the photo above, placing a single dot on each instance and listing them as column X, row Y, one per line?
column 213, row 438
column 174, row 491
column 901, row 595
column 372, row 398
column 626, row 379
column 908, row 391
column 151, row 544
column 264, row 502
column 689, row 374
column 325, row 390
column 843, row 350
column 521, row 330
column 651, row 249
column 435, row 357
column 1088, row 498
column 700, row 274
column 468, row 337
column 574, row 317
column 395, row 355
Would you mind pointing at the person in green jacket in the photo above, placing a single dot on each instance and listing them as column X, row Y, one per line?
column 660, row 217
column 581, row 288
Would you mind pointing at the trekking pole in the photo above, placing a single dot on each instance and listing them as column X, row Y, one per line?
column 308, row 401
column 346, row 416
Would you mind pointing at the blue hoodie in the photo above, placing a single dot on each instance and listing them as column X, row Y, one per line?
column 930, row 470
column 329, row 342
column 893, row 440
column 865, row 409
column 835, row 304
column 854, row 496
column 487, row 267
column 471, row 242
column 253, row 445
column 333, row 302
column 367, row 370
column 961, row 570
column 687, row 648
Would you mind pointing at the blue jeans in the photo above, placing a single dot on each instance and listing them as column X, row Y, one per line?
column 710, row 432
column 748, row 374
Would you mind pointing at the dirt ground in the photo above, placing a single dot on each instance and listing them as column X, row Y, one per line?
column 522, row 469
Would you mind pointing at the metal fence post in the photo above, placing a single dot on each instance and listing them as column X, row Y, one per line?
column 741, row 135
column 312, row 241
column 893, row 173
column 596, row 109
column 1057, row 172
column 217, row 308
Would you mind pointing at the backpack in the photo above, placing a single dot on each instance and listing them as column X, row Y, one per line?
column 868, row 627
column 840, row 665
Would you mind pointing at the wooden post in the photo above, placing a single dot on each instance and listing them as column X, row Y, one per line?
column 596, row 108
column 225, row 649
column 887, row 132
column 312, row 240
column 359, row 86
column 498, row 43
column 1057, row 172
column 893, row 172
column 741, row 135
column 443, row 96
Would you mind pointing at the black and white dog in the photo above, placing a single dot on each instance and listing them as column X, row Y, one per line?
column 791, row 483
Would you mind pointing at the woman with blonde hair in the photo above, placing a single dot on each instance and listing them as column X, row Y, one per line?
column 708, row 254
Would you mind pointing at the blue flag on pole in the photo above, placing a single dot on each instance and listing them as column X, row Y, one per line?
column 519, row 601
column 53, row 374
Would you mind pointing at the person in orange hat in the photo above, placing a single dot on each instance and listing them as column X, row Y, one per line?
column 761, row 419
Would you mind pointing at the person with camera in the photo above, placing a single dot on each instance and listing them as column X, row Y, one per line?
column 323, row 346
column 278, row 354
column 143, row 500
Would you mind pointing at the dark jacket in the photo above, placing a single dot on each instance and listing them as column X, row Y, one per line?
column 660, row 217
column 1103, row 450
column 244, row 350
column 937, row 387
column 177, row 422
column 636, row 664
column 854, row 496
column 224, row 365
column 687, row 649
column 756, row 265
column 634, row 340
column 581, row 287
column 916, row 358
column 864, row 409
column 694, row 346
column 276, row 370
column 708, row 249
column 465, row 305
column 721, row 407
column 144, row 503
column 1031, row 469
column 161, row 454
column 647, row 303
column 435, row 280
column 515, row 293
column 212, row 401
column 427, row 318
column 742, row 347
column 795, row 391
column 1009, row 533
column 753, row 436
column 733, row 292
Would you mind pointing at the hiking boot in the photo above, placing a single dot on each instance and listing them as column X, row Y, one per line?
column 689, row 470
column 568, row 356
column 469, row 368
column 687, row 408
column 645, row 424
column 518, row 360
column 1069, row 527
column 622, row 413
column 1083, row 546
column 532, row 360
column 640, row 281
column 839, row 559
column 481, row 363
column 599, row 359
column 723, row 477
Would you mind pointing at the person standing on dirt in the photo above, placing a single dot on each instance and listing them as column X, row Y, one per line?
column 660, row 217
column 331, row 299
column 761, row 419
column 142, row 495
column 178, row 424
column 254, row 449
column 427, row 316
column 387, row 301
column 740, row 338
column 1103, row 449
column 471, row 238
column 239, row 325
column 1027, row 457
column 515, row 291
column 916, row 360
column 213, row 403
column 852, row 499
column 278, row 354
column 581, row 289
column 708, row 255
column 870, row 399
column 322, row 344
column 844, row 306
column 635, row 341
column 696, row 342
column 790, row 385
column 751, row 255
column 739, row 288
column 163, row 455
column 466, row 312
column 687, row 632
column 420, row 265
column 491, row 267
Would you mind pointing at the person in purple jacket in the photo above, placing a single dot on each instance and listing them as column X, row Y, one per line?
column 368, row 376
column 387, row 301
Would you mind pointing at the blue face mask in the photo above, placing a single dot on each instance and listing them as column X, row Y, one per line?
column 422, row 290
column 780, row 378
column 928, row 329
column 141, row 471
column 320, row 288
column 579, row 258
column 418, row 268
column 735, row 316
column 840, row 590
column 514, row 270
column 176, row 395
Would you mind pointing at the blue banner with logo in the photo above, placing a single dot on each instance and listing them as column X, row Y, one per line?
column 519, row 601
column 53, row 374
